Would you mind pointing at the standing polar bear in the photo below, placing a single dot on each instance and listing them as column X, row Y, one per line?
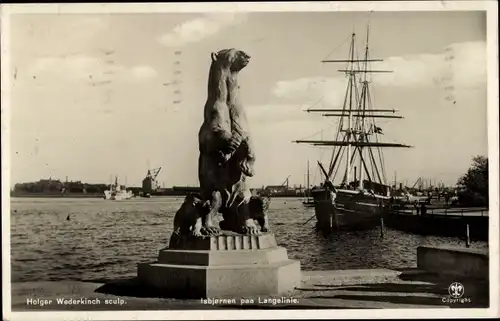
column 226, row 151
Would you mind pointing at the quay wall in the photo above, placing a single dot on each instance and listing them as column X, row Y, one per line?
column 459, row 262
column 443, row 225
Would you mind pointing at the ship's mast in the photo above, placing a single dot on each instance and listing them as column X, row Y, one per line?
column 363, row 100
column 308, row 184
column 352, row 83
column 357, row 110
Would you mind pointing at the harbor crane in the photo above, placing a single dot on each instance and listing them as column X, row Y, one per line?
column 285, row 183
column 154, row 172
column 149, row 183
column 419, row 180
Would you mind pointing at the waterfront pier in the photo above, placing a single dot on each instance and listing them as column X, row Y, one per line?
column 441, row 221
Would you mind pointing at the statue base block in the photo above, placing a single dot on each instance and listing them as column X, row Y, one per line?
column 230, row 265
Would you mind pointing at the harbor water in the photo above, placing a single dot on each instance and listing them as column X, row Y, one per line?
column 104, row 240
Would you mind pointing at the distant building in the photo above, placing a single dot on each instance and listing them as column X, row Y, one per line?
column 276, row 189
column 149, row 183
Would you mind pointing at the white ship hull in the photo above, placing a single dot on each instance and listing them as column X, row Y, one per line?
column 117, row 192
column 118, row 196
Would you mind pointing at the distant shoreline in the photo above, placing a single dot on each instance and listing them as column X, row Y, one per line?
column 58, row 195
column 92, row 195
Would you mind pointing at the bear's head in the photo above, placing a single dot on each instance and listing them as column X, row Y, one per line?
column 192, row 205
column 259, row 205
column 193, row 198
column 232, row 58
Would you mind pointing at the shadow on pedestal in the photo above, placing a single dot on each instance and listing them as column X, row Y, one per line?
column 229, row 265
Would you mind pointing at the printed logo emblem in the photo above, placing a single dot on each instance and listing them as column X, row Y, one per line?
column 456, row 290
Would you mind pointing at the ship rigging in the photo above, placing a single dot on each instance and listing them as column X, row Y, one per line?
column 357, row 133
column 359, row 199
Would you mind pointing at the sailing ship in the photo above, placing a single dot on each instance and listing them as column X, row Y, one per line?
column 361, row 196
column 116, row 193
column 308, row 201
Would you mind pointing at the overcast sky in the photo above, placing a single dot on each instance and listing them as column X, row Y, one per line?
column 94, row 95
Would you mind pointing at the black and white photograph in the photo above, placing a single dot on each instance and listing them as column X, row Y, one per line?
column 247, row 160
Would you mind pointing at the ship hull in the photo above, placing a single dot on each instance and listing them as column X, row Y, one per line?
column 117, row 196
column 352, row 211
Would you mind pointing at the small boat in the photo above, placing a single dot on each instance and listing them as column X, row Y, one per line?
column 116, row 193
column 308, row 203
column 357, row 201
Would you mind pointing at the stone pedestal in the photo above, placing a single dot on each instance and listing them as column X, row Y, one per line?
column 230, row 265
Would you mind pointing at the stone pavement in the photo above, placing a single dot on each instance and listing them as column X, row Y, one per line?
column 344, row 289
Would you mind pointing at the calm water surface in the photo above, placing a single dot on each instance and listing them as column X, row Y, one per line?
column 106, row 239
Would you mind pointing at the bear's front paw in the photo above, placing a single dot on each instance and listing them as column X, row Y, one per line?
column 210, row 230
column 197, row 232
column 250, row 228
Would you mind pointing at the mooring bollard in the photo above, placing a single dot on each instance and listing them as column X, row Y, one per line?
column 467, row 237
column 382, row 227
